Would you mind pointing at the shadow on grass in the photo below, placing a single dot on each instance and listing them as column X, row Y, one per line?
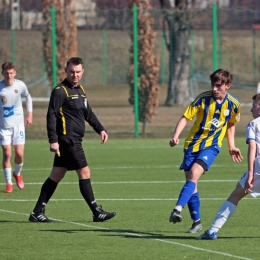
column 137, row 234
column 121, row 232
column 127, row 233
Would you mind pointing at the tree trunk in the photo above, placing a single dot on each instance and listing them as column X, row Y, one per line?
column 66, row 33
column 178, row 84
column 178, row 22
column 148, row 65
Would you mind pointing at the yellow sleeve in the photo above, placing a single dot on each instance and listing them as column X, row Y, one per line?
column 191, row 111
column 235, row 117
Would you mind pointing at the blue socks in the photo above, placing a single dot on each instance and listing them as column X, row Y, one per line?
column 186, row 193
column 194, row 206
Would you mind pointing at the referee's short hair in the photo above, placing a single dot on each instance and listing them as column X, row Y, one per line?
column 75, row 61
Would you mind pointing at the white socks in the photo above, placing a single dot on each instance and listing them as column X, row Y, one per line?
column 179, row 208
column 8, row 172
column 18, row 168
column 225, row 211
column 8, row 175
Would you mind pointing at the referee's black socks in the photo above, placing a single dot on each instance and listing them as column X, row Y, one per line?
column 87, row 193
column 48, row 188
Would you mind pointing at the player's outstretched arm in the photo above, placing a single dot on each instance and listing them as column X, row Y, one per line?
column 179, row 127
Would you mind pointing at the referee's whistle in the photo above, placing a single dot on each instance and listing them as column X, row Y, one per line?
column 58, row 153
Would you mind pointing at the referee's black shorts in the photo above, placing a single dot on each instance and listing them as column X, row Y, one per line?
column 72, row 155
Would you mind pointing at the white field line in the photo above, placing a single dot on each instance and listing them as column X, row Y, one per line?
column 109, row 147
column 118, row 199
column 126, row 182
column 141, row 235
column 140, row 167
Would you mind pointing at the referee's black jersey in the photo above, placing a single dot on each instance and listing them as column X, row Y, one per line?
column 67, row 112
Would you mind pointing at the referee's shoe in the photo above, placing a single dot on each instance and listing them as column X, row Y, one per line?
column 40, row 217
column 102, row 215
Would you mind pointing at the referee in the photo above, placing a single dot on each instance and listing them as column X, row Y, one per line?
column 67, row 112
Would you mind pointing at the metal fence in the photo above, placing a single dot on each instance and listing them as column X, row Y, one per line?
column 104, row 42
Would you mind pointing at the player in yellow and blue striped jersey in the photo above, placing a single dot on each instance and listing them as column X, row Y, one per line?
column 216, row 113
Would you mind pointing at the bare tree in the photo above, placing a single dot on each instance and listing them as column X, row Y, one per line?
column 177, row 16
column 66, row 34
column 148, row 65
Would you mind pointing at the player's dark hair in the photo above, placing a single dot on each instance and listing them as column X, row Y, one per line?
column 256, row 97
column 8, row 65
column 75, row 61
column 225, row 76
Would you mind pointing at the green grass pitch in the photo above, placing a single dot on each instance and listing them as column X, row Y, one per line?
column 140, row 180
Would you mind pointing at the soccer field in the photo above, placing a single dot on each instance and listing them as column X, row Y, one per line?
column 140, row 180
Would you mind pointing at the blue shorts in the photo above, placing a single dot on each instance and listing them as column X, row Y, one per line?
column 206, row 155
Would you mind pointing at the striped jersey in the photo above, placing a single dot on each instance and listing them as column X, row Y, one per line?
column 11, row 111
column 210, row 126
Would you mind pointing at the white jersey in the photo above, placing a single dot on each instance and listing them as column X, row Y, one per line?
column 253, row 133
column 11, row 111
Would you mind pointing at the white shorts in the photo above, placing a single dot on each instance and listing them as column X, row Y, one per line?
column 256, row 184
column 14, row 135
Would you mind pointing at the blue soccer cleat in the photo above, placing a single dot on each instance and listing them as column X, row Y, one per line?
column 208, row 236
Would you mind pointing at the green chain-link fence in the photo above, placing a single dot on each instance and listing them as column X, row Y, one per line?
column 104, row 42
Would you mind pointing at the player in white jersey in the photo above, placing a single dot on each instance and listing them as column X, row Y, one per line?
column 12, row 130
column 249, row 183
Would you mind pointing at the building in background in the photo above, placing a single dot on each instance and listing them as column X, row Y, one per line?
column 251, row 4
column 97, row 14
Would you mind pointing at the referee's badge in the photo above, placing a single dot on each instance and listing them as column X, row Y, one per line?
column 3, row 99
column 16, row 90
column 226, row 112
column 86, row 102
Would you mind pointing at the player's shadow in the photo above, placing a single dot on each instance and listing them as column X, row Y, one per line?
column 126, row 233
column 132, row 234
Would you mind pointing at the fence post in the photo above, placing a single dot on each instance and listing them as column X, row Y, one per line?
column 192, row 54
column 135, row 46
column 254, row 56
column 44, row 78
column 53, row 44
column 215, row 46
column 15, row 24
column 104, row 57
column 13, row 45
column 162, row 76
column 220, row 48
